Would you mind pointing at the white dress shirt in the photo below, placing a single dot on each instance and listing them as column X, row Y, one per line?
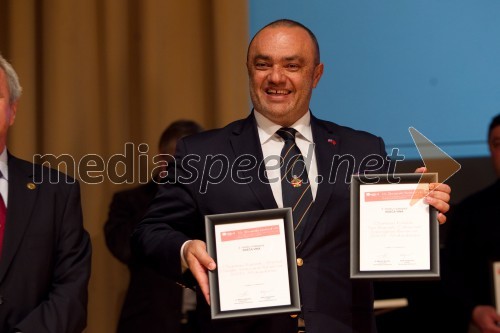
column 272, row 144
column 4, row 185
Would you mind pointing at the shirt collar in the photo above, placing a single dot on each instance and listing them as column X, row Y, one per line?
column 267, row 128
column 3, row 164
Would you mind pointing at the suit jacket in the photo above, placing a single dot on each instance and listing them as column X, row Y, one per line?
column 471, row 247
column 153, row 303
column 45, row 264
column 332, row 302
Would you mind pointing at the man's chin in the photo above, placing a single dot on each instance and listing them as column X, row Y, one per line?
column 283, row 117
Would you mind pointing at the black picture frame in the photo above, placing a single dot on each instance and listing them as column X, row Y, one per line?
column 411, row 274
column 284, row 215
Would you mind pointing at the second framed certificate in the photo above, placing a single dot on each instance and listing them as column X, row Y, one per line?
column 495, row 269
column 256, row 270
column 394, row 232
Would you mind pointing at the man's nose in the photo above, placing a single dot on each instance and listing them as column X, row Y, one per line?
column 276, row 75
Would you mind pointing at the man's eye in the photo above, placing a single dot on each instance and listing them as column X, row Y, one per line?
column 292, row 66
column 261, row 65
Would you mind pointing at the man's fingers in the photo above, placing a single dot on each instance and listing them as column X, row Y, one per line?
column 440, row 187
column 197, row 250
column 199, row 262
column 421, row 170
column 439, row 198
column 200, row 274
column 441, row 218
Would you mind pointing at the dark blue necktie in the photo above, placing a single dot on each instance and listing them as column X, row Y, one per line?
column 295, row 185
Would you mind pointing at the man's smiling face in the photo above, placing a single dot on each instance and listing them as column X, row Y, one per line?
column 7, row 109
column 283, row 71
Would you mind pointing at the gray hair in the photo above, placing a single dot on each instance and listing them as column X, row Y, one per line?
column 15, row 89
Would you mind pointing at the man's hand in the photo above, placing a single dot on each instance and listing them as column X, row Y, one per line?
column 438, row 197
column 199, row 262
column 486, row 318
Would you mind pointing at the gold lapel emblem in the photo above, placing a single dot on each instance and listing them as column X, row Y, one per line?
column 31, row 186
column 296, row 181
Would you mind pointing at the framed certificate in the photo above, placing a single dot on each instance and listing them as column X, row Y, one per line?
column 394, row 232
column 495, row 268
column 256, row 270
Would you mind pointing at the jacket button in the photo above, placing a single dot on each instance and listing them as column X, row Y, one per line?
column 300, row 262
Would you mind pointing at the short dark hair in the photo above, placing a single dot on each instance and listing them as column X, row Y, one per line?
column 494, row 123
column 290, row 23
column 177, row 130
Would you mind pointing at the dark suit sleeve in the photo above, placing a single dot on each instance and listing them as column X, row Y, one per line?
column 465, row 279
column 119, row 227
column 65, row 308
column 172, row 218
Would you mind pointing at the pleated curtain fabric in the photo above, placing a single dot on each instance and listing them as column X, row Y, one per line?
column 295, row 185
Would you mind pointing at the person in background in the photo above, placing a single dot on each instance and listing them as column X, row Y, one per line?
column 473, row 244
column 45, row 252
column 153, row 303
column 283, row 62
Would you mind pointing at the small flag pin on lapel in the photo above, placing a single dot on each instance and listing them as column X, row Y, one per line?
column 332, row 141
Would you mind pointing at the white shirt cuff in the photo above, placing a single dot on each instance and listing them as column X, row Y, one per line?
column 184, row 265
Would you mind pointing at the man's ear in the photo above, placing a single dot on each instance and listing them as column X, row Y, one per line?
column 318, row 72
column 13, row 111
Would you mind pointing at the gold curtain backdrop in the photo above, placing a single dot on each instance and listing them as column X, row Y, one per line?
column 100, row 73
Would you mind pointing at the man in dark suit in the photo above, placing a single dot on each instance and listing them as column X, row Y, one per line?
column 45, row 253
column 472, row 246
column 153, row 303
column 227, row 170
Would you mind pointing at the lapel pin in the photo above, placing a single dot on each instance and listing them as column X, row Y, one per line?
column 296, row 181
column 31, row 186
column 332, row 141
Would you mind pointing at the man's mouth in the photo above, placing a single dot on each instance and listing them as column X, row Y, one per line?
column 277, row 92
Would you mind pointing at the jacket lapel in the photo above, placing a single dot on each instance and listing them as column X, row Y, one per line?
column 245, row 141
column 22, row 195
column 326, row 146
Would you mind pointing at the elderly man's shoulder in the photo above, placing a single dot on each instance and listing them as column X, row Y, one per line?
column 39, row 173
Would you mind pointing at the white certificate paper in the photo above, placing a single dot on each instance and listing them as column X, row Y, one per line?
column 252, row 264
column 394, row 229
column 496, row 284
